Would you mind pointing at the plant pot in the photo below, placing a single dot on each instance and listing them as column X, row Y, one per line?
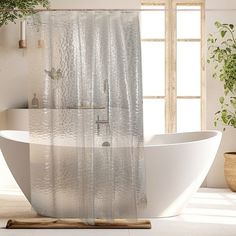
column 230, row 170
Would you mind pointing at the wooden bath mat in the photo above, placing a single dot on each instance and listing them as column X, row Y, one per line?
column 50, row 223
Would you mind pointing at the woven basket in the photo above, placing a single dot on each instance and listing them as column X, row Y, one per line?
column 230, row 170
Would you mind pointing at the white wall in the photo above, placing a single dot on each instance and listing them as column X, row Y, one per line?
column 101, row 4
column 13, row 66
column 215, row 177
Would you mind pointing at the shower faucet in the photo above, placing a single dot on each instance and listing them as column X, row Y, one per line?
column 106, row 121
column 99, row 122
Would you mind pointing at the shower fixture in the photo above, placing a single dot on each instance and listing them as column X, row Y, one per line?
column 99, row 122
column 105, row 121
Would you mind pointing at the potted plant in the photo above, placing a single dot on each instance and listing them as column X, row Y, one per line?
column 222, row 48
column 11, row 10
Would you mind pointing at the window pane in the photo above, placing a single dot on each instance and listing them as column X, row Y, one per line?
column 154, row 116
column 153, row 68
column 188, row 115
column 188, row 22
column 153, row 22
column 188, row 68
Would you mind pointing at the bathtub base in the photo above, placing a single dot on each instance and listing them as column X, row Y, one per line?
column 47, row 223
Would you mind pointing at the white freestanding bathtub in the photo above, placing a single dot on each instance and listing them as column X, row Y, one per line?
column 176, row 165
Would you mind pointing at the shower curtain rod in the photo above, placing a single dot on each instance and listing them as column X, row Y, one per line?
column 135, row 10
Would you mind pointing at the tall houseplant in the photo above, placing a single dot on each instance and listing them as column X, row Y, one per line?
column 11, row 10
column 222, row 49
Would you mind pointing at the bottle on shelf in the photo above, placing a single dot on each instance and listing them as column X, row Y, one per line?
column 35, row 102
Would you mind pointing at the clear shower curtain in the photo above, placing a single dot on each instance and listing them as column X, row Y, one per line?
column 86, row 126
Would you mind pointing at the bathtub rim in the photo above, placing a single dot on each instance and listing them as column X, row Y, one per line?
column 3, row 134
column 215, row 133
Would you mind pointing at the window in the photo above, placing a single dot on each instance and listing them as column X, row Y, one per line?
column 172, row 35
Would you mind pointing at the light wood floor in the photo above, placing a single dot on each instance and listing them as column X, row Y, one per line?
column 211, row 212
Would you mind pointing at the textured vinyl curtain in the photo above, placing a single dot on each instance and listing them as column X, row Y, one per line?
column 86, row 127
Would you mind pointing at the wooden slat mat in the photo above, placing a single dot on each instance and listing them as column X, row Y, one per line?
column 50, row 223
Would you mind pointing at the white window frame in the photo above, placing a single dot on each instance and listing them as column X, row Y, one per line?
column 170, row 61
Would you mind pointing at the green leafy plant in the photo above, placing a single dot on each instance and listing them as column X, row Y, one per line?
column 11, row 10
column 222, row 49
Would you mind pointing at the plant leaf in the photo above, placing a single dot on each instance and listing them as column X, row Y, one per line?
column 223, row 33
column 221, row 99
column 218, row 24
